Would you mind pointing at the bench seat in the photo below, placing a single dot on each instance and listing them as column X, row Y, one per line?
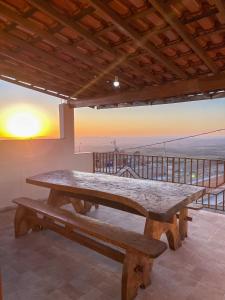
column 137, row 252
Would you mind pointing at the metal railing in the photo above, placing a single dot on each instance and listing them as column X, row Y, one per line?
column 209, row 173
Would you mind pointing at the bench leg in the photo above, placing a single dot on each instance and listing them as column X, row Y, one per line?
column 22, row 224
column 134, row 267
column 154, row 229
column 183, row 223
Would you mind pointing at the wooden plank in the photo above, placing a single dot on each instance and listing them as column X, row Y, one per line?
column 114, row 235
column 169, row 16
column 143, row 196
column 99, row 201
column 105, row 250
column 45, row 35
column 69, row 22
column 33, row 87
column 143, row 43
column 25, row 23
column 183, row 223
column 162, row 92
column 72, row 78
column 221, row 7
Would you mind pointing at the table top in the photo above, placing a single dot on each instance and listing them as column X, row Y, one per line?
column 155, row 199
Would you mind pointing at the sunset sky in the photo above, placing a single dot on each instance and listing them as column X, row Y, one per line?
column 174, row 119
column 17, row 102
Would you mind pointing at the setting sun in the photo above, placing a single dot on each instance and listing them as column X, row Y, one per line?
column 23, row 125
column 23, row 122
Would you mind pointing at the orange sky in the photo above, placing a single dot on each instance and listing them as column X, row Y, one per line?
column 173, row 119
column 18, row 103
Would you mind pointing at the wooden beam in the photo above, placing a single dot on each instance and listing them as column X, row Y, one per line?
column 72, row 78
column 69, row 22
column 37, row 81
column 67, row 48
column 32, row 87
column 22, row 73
column 169, row 90
column 45, row 35
column 220, row 4
column 141, row 42
column 169, row 16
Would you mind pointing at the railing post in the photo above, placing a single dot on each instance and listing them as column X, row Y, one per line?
column 94, row 162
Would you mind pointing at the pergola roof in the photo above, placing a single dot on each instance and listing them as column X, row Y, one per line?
column 162, row 51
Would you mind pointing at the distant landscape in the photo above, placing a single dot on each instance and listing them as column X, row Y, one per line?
column 207, row 147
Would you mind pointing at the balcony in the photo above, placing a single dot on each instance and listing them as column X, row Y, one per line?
column 62, row 270
column 111, row 54
column 47, row 266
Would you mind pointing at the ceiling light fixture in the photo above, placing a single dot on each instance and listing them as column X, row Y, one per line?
column 116, row 82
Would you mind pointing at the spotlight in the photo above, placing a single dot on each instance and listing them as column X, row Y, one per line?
column 116, row 82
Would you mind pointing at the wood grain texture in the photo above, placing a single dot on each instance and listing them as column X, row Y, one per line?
column 154, row 230
column 158, row 200
column 183, row 225
column 117, row 236
column 96, row 235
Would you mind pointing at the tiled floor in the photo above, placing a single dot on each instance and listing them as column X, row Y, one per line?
column 46, row 266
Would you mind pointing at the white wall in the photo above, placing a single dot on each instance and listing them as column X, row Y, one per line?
column 23, row 158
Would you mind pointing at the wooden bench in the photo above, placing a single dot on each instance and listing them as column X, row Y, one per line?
column 137, row 251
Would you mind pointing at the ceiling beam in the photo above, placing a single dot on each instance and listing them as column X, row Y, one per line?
column 14, row 16
column 21, row 74
column 32, row 87
column 54, row 72
column 205, row 96
column 67, row 21
column 59, row 70
column 170, row 17
column 89, row 37
column 60, row 46
column 220, row 4
column 169, row 90
column 141, row 42
column 47, row 57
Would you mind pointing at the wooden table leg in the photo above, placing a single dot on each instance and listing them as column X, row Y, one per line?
column 154, row 229
column 183, row 223
column 58, row 199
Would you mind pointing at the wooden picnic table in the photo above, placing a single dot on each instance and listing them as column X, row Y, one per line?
column 159, row 202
